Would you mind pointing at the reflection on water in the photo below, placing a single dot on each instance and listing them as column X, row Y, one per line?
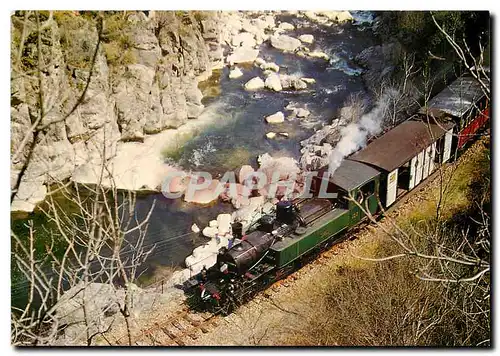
column 169, row 231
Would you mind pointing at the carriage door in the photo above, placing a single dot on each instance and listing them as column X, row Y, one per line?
column 392, row 187
column 413, row 172
column 427, row 162
column 419, row 166
column 432, row 165
column 447, row 145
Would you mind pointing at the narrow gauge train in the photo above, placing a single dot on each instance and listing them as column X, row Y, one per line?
column 381, row 173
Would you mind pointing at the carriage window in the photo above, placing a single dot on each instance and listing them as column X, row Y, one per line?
column 368, row 189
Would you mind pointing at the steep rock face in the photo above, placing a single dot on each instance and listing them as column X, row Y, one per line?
column 144, row 80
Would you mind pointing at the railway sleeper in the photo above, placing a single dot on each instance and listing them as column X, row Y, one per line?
column 204, row 329
column 159, row 338
column 193, row 319
column 170, row 331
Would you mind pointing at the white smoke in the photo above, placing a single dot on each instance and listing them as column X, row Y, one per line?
column 355, row 135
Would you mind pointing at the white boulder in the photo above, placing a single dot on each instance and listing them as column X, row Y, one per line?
column 292, row 82
column 224, row 223
column 285, row 43
column 235, row 73
column 338, row 16
column 210, row 231
column 243, row 55
column 301, row 113
column 203, row 196
column 270, row 22
column 308, row 80
column 195, row 228
column 243, row 39
column 245, row 171
column 270, row 66
column 268, row 72
column 279, row 168
column 318, row 54
column 271, row 135
column 286, row 26
column 213, row 223
column 306, row 38
column 254, row 84
column 259, row 61
column 276, row 118
column 273, row 82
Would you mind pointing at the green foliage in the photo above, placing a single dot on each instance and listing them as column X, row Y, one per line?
column 117, row 56
column 78, row 38
column 174, row 150
column 180, row 13
column 118, row 45
column 211, row 87
column 417, row 31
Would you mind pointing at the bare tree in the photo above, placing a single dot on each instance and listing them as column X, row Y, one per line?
column 475, row 65
column 400, row 91
column 104, row 246
column 102, row 237
column 455, row 256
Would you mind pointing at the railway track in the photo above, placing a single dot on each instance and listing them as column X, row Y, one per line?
column 175, row 330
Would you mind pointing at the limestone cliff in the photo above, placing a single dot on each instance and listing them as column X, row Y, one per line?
column 144, row 80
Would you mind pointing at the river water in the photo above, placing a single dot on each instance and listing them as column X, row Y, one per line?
column 237, row 137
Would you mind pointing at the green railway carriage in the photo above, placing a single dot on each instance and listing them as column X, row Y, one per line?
column 351, row 178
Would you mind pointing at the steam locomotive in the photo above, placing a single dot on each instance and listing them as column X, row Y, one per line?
column 376, row 176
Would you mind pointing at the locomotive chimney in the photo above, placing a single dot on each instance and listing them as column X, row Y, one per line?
column 237, row 229
column 284, row 212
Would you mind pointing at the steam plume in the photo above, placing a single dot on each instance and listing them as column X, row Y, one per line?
column 355, row 135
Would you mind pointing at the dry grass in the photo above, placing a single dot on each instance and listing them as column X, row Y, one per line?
column 362, row 303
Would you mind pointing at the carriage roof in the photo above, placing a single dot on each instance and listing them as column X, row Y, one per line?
column 351, row 174
column 399, row 145
column 456, row 98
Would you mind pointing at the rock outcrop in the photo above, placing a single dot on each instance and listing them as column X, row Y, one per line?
column 276, row 118
column 285, row 43
column 95, row 307
column 144, row 80
column 379, row 61
column 254, row 84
